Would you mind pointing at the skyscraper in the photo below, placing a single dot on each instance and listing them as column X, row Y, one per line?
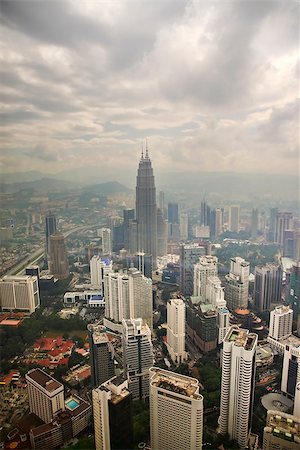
column 146, row 208
column 189, row 256
column 267, row 286
column 284, row 221
column 237, row 284
column 205, row 268
column 106, row 239
column 137, row 356
column 176, row 330
column 50, row 228
column 237, row 385
column 113, row 418
column 254, row 223
column 281, row 321
column 162, row 234
column 234, row 218
column 58, row 264
column 21, row 293
column 101, row 355
column 98, row 268
column 176, row 411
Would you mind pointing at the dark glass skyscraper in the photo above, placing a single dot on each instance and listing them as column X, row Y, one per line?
column 146, row 208
column 50, row 228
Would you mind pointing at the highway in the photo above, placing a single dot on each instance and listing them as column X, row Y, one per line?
column 34, row 257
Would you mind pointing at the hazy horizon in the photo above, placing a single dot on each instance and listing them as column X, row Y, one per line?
column 212, row 85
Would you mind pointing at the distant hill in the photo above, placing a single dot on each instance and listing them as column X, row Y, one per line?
column 111, row 187
column 42, row 186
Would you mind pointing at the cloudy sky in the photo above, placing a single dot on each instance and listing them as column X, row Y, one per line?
column 213, row 85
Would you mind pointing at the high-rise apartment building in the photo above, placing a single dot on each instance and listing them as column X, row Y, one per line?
column 137, row 356
column 128, row 295
column 237, row 284
column 281, row 321
column 283, row 221
column 176, row 330
column 113, row 417
column 146, row 215
column 205, row 268
column 101, row 355
column 234, row 218
column 20, row 293
column 189, row 256
column 58, row 263
column 267, row 286
column 215, row 297
column 99, row 267
column 106, row 239
column 176, row 411
column 237, row 385
column 50, row 228
column 45, row 394
column 282, row 431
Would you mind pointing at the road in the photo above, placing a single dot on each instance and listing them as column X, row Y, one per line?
column 34, row 257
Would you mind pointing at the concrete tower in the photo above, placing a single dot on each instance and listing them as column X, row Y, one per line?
column 205, row 268
column 146, row 208
column 176, row 330
column 237, row 386
column 50, row 228
column 101, row 355
column 58, row 264
column 281, row 321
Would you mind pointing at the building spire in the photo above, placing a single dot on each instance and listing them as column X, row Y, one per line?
column 147, row 155
column 142, row 155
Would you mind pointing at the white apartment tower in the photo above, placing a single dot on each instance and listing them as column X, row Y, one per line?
column 237, row 284
column 176, row 411
column 46, row 395
column 106, row 239
column 21, row 293
column 281, row 321
column 98, row 268
column 237, row 386
column 128, row 295
column 205, row 268
column 215, row 297
column 137, row 356
column 176, row 330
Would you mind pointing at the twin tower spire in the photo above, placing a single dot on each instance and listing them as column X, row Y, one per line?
column 146, row 152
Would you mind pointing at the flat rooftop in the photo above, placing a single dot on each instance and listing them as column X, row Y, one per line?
column 283, row 425
column 291, row 340
column 241, row 338
column 176, row 383
column 44, row 380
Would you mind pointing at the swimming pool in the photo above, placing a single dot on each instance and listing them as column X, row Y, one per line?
column 72, row 404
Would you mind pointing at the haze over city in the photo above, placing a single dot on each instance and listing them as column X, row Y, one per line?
column 213, row 85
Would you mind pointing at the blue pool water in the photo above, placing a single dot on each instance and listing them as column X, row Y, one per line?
column 72, row 404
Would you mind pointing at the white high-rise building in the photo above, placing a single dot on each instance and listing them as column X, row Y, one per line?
column 128, row 296
column 237, row 284
column 234, row 218
column 112, row 410
column 204, row 269
column 45, row 394
column 106, row 239
column 290, row 374
column 215, row 297
column 237, row 386
column 281, row 321
column 189, row 256
column 98, row 268
column 176, row 330
column 21, row 293
column 176, row 411
column 137, row 356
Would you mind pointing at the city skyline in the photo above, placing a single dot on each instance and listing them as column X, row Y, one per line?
column 90, row 95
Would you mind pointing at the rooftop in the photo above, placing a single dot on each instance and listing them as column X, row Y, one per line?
column 44, row 380
column 241, row 338
column 283, row 425
column 176, row 383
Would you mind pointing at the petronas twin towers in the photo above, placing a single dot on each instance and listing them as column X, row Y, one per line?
column 146, row 211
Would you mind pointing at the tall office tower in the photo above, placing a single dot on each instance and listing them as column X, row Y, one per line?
column 290, row 374
column 161, row 202
column 289, row 243
column 205, row 268
column 99, row 268
column 146, row 208
column 284, row 221
column 21, row 293
column 237, row 385
column 294, row 294
column 189, row 256
column 176, row 330
column 45, row 394
column 297, row 401
column 237, row 284
column 184, row 226
column 106, row 239
column 282, row 431
column 216, row 222
column 267, row 286
column 176, row 411
column 254, row 223
column 113, row 416
column 162, row 234
column 101, row 355
column 215, row 297
column 137, row 356
column 272, row 224
column 234, row 218
column 50, row 228
column 58, row 264
column 204, row 213
column 281, row 321
column 128, row 216
column 128, row 296
column 133, row 237
column 173, row 216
